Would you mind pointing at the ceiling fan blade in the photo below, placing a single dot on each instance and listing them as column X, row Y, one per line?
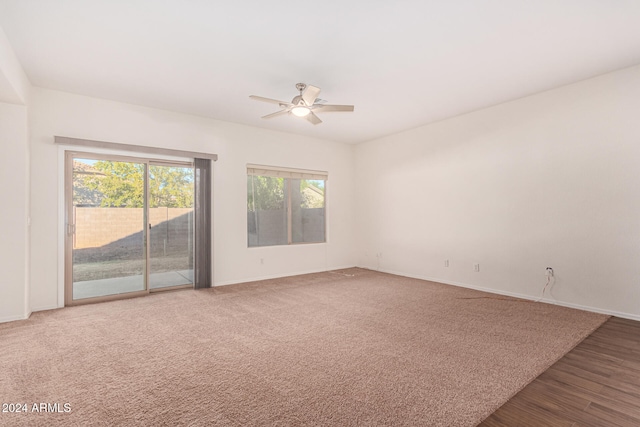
column 269, row 100
column 312, row 118
column 328, row 107
column 310, row 94
column 276, row 114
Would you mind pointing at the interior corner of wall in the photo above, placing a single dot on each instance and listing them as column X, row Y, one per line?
column 14, row 83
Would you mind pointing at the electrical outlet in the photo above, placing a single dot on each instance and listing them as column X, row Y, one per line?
column 549, row 272
column 446, row 263
column 476, row 267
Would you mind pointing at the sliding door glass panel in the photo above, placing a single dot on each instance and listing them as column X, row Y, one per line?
column 171, row 191
column 108, row 214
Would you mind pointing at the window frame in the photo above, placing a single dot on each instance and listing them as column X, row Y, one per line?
column 288, row 175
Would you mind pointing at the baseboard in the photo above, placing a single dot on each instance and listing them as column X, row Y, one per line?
column 515, row 295
column 13, row 318
column 277, row 276
column 48, row 307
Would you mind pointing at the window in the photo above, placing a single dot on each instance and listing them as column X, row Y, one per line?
column 285, row 206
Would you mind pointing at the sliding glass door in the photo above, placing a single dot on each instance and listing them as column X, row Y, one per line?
column 171, row 226
column 129, row 227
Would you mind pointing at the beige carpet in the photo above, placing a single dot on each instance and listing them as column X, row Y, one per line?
column 353, row 347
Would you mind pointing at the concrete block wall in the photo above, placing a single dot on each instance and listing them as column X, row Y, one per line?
column 97, row 226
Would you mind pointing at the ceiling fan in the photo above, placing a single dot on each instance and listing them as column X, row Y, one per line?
column 304, row 105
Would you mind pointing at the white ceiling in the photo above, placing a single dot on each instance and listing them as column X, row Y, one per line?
column 401, row 63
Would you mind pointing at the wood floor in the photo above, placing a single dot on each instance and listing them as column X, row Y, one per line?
column 595, row 384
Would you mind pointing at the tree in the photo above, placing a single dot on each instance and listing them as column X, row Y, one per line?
column 265, row 193
column 171, row 187
column 268, row 193
column 121, row 184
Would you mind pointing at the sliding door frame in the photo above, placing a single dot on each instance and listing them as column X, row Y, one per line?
column 69, row 224
column 157, row 162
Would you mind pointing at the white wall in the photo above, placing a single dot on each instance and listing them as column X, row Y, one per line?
column 57, row 113
column 14, row 84
column 548, row 180
column 14, row 193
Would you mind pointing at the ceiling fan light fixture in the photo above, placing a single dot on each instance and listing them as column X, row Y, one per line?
column 305, row 105
column 300, row 111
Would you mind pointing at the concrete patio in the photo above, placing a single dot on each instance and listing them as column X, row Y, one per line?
column 122, row 285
